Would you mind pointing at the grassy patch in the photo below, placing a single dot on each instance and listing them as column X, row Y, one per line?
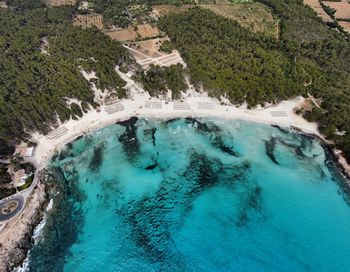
column 254, row 16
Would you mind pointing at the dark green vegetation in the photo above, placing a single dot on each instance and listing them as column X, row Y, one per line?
column 25, row 4
column 6, row 151
column 167, row 47
column 34, row 85
column 308, row 58
column 157, row 80
column 5, row 178
column 227, row 58
column 121, row 12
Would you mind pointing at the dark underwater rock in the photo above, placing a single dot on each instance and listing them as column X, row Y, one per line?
column 219, row 142
column 339, row 175
column 203, row 170
column 63, row 154
column 151, row 132
column 270, row 148
column 204, row 127
column 295, row 148
column 129, row 139
column 285, row 131
column 251, row 205
column 129, row 122
column 152, row 166
column 172, row 120
column 215, row 135
column 97, row 157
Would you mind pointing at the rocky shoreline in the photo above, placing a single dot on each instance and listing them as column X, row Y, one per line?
column 332, row 155
column 16, row 238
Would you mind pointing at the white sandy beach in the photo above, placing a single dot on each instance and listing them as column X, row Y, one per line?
column 282, row 114
column 192, row 103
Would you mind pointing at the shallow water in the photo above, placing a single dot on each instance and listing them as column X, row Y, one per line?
column 195, row 195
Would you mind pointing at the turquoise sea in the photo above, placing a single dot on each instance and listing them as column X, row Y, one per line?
column 194, row 195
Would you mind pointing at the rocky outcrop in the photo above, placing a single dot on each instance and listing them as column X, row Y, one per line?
column 15, row 238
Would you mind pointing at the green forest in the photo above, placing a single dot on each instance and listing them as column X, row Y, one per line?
column 158, row 80
column 308, row 58
column 34, row 84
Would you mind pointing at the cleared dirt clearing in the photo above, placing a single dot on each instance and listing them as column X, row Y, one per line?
column 345, row 25
column 134, row 32
column 342, row 9
column 147, row 52
column 316, row 6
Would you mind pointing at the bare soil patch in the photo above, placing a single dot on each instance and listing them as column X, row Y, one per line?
column 148, row 52
column 255, row 16
column 316, row 6
column 57, row 3
column 342, row 9
column 345, row 25
column 88, row 20
column 133, row 33
column 161, row 10
column 148, row 48
column 147, row 31
column 126, row 34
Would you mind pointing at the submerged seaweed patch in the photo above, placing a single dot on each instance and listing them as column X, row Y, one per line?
column 294, row 148
column 97, row 157
column 151, row 219
column 219, row 142
column 169, row 121
column 270, row 149
column 154, row 217
column 151, row 133
column 203, row 170
column 129, row 138
column 129, row 122
column 215, row 133
column 202, row 126
column 250, row 205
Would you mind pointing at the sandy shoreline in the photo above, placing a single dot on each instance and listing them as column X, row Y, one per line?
column 197, row 105
column 281, row 114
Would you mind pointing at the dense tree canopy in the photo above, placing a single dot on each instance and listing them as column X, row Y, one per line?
column 158, row 80
column 228, row 59
column 41, row 55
